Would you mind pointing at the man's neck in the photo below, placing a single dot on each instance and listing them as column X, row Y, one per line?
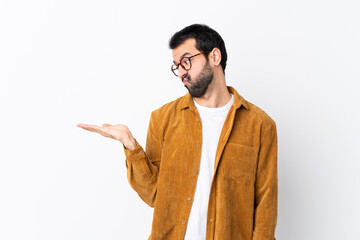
column 217, row 94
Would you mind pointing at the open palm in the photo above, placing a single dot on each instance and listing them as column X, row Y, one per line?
column 118, row 131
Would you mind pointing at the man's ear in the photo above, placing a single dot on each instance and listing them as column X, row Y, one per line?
column 215, row 57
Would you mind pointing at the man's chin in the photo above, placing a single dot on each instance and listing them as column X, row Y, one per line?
column 194, row 94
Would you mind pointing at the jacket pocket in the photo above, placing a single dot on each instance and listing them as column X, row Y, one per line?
column 238, row 163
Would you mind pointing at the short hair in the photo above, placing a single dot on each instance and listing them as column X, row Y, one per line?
column 206, row 40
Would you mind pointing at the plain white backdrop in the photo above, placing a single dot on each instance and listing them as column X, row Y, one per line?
column 68, row 62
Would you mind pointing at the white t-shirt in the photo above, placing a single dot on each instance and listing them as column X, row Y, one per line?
column 212, row 121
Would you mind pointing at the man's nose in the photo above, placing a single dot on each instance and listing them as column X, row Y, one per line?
column 182, row 72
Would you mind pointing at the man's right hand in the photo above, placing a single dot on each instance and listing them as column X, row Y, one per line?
column 118, row 132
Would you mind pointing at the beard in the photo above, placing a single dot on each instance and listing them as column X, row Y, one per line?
column 198, row 87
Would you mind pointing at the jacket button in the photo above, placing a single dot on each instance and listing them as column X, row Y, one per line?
column 195, row 171
column 198, row 145
column 189, row 198
column 197, row 119
column 184, row 222
column 210, row 219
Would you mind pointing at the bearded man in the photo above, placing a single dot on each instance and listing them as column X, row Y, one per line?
column 210, row 164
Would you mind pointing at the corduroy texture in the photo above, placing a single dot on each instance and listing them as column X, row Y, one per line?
column 243, row 195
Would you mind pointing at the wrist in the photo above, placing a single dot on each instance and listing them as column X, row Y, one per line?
column 130, row 143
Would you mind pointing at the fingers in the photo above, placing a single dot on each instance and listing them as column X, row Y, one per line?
column 88, row 126
column 94, row 128
column 82, row 125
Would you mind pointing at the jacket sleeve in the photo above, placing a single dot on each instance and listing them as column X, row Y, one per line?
column 266, row 186
column 143, row 166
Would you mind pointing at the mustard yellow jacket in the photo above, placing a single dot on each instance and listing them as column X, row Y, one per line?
column 243, row 195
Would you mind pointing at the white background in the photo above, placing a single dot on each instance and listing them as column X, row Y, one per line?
column 72, row 61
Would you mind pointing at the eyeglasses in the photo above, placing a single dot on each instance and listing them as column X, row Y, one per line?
column 185, row 63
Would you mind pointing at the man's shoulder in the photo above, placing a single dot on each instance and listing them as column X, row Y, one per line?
column 247, row 111
column 258, row 114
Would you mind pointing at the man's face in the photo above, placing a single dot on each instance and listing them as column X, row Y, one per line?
column 198, row 78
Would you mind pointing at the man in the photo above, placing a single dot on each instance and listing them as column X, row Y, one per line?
column 210, row 165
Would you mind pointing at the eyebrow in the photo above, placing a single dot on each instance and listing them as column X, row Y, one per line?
column 186, row 53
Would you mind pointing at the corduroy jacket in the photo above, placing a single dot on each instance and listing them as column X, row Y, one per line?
column 243, row 195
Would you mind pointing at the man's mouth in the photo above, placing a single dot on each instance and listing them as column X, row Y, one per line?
column 185, row 79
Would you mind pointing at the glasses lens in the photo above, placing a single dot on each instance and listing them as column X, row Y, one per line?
column 185, row 63
column 175, row 69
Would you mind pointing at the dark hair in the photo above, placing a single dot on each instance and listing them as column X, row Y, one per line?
column 206, row 40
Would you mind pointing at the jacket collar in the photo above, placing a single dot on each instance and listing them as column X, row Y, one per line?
column 187, row 101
